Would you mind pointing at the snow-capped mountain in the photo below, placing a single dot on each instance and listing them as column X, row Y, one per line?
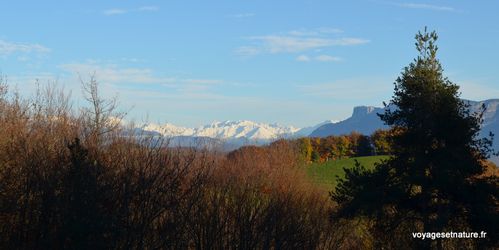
column 245, row 129
column 248, row 130
column 168, row 129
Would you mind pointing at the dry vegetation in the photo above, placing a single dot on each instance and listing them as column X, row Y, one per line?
column 71, row 179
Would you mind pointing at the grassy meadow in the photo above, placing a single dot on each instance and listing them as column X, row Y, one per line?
column 324, row 173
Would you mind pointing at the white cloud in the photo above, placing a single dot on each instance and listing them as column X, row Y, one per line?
column 42, row 77
column 426, row 6
column 290, row 44
column 118, row 11
column 148, row 8
column 7, row 48
column 23, row 58
column 319, row 58
column 27, row 84
column 247, row 51
column 202, row 81
column 329, row 30
column 297, row 41
column 279, row 44
column 243, row 15
column 115, row 75
column 326, row 58
column 303, row 58
column 132, row 60
column 112, row 12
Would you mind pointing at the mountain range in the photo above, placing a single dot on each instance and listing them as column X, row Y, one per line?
column 249, row 130
column 229, row 130
column 364, row 120
column 229, row 134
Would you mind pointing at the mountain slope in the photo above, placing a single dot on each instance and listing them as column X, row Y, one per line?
column 363, row 120
column 490, row 122
column 308, row 130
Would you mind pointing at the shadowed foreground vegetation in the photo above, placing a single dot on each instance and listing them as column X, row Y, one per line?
column 72, row 180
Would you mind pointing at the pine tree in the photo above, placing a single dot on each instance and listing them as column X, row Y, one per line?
column 432, row 182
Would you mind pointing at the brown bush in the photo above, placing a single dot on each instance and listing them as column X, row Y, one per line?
column 66, row 182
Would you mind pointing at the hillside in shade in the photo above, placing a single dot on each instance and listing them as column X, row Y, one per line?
column 363, row 120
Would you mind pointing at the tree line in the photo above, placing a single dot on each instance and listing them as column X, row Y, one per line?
column 316, row 149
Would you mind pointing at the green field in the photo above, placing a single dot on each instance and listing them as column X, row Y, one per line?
column 325, row 173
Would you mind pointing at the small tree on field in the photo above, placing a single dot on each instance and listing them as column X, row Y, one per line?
column 432, row 182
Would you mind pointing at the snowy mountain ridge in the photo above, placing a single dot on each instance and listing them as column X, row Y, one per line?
column 232, row 130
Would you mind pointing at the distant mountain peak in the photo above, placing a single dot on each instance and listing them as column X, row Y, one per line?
column 364, row 110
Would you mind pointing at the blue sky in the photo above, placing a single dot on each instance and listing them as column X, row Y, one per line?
column 291, row 62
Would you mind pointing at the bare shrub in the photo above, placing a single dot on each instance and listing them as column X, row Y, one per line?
column 259, row 199
column 74, row 180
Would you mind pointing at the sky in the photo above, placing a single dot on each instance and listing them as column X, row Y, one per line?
column 294, row 62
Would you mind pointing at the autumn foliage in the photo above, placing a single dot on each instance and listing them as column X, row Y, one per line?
column 316, row 149
column 69, row 180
